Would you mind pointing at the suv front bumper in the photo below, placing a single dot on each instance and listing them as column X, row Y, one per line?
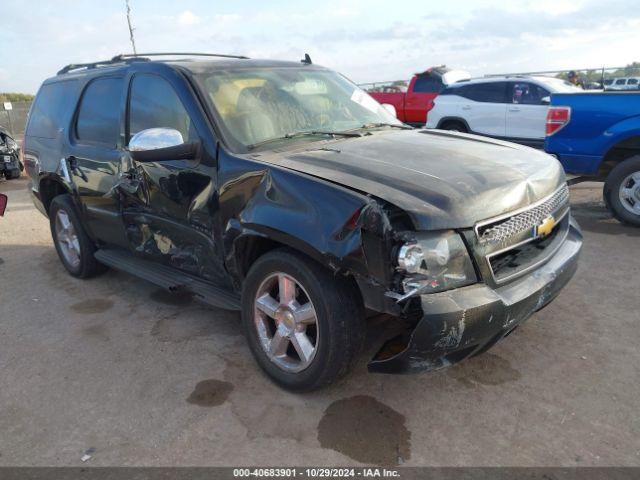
column 467, row 321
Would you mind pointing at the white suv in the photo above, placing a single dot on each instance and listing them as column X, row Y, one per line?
column 510, row 108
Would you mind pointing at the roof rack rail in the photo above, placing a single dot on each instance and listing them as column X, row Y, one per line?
column 139, row 57
column 100, row 63
column 124, row 56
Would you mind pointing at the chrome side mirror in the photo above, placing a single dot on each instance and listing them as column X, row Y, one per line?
column 158, row 144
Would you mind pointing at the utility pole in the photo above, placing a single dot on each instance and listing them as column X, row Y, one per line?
column 133, row 42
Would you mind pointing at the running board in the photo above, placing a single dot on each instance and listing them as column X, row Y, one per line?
column 168, row 277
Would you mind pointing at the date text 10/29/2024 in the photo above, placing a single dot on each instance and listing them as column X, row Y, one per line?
column 315, row 473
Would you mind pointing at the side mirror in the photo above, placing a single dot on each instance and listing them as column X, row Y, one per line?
column 391, row 109
column 545, row 100
column 3, row 203
column 158, row 144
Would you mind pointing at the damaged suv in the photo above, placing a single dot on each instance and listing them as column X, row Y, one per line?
column 282, row 190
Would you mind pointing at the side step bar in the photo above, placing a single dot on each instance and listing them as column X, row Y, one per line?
column 168, row 277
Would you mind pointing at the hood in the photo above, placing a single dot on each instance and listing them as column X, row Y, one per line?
column 441, row 179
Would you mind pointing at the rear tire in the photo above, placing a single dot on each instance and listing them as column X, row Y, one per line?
column 454, row 126
column 72, row 243
column 12, row 174
column 622, row 191
column 333, row 327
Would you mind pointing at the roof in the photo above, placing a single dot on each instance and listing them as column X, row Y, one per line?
column 196, row 62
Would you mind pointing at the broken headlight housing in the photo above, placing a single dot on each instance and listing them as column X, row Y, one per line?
column 434, row 262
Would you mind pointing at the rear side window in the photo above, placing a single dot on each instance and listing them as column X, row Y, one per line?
column 621, row 81
column 490, row 92
column 632, row 81
column 427, row 84
column 99, row 114
column 51, row 109
column 154, row 103
column 526, row 93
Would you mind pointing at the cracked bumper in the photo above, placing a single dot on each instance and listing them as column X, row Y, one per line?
column 461, row 323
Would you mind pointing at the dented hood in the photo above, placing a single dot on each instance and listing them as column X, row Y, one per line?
column 441, row 179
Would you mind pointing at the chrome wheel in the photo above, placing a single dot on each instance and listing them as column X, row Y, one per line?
column 629, row 193
column 286, row 322
column 67, row 239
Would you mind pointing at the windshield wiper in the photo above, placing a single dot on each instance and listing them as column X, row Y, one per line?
column 303, row 134
column 382, row 124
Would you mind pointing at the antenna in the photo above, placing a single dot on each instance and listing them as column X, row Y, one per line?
column 133, row 42
column 306, row 60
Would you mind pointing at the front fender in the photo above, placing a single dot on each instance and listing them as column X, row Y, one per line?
column 344, row 230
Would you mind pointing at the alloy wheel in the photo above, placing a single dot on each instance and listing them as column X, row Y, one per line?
column 67, row 239
column 286, row 322
column 629, row 193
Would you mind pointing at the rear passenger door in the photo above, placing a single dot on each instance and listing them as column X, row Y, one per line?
column 95, row 156
column 526, row 112
column 484, row 107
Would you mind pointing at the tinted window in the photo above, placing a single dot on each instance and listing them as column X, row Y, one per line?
column 621, row 81
column 632, row 81
column 428, row 84
column 492, row 92
column 527, row 93
column 155, row 104
column 99, row 114
column 608, row 81
column 51, row 108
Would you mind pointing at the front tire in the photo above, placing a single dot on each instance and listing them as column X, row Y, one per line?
column 304, row 325
column 72, row 243
column 622, row 191
column 454, row 126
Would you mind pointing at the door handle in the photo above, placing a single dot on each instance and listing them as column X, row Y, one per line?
column 73, row 165
column 466, row 107
column 514, row 109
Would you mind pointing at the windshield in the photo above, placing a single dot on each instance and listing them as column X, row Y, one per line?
column 263, row 104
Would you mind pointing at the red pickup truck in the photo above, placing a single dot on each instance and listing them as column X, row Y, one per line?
column 413, row 104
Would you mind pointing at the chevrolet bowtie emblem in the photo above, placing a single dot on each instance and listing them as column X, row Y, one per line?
column 545, row 227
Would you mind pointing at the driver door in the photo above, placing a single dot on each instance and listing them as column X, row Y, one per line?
column 167, row 203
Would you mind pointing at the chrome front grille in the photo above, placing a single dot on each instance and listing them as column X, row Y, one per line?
column 502, row 230
column 513, row 244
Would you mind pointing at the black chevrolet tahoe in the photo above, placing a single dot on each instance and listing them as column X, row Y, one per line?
column 282, row 190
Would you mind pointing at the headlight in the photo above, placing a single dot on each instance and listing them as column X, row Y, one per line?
column 435, row 262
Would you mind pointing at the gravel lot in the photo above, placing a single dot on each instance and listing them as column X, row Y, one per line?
column 148, row 378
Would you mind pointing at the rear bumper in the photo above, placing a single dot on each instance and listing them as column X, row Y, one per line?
column 468, row 321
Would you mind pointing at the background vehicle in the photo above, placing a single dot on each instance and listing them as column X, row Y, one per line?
column 284, row 191
column 597, row 135
column 510, row 108
column 623, row 83
column 413, row 104
column 10, row 165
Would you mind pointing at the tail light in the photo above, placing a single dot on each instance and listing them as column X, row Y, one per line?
column 557, row 117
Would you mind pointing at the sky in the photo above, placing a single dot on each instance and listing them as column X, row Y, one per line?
column 367, row 40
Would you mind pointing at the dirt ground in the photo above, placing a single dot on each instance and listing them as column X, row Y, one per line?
column 147, row 378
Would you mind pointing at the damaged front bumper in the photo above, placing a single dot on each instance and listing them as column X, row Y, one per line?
column 467, row 321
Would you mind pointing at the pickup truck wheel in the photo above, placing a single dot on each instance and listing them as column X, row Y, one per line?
column 622, row 191
column 73, row 245
column 304, row 325
column 454, row 126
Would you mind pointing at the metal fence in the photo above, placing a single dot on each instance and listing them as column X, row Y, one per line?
column 14, row 120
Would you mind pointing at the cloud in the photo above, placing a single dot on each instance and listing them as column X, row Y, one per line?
column 188, row 18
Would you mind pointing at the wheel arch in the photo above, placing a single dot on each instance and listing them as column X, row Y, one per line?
column 452, row 119
column 619, row 152
column 50, row 187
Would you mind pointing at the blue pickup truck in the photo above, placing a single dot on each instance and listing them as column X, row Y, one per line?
column 597, row 135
